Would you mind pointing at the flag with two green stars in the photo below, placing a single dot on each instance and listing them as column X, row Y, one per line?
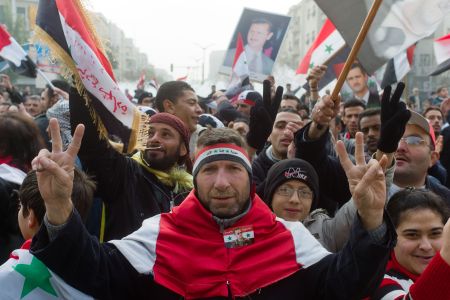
column 24, row 276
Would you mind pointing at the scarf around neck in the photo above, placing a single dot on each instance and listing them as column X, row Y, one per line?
column 177, row 177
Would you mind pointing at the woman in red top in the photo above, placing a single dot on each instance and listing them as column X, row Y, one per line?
column 420, row 262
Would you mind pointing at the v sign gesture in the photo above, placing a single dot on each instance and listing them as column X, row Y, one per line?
column 54, row 171
column 366, row 182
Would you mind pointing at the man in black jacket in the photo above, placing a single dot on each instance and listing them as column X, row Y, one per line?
column 135, row 188
column 221, row 242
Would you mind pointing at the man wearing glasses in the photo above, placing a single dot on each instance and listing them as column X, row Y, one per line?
column 415, row 154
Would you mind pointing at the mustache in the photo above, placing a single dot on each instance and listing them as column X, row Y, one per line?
column 222, row 194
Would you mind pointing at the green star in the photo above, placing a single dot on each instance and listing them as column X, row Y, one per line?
column 36, row 276
column 229, row 238
column 311, row 65
column 328, row 49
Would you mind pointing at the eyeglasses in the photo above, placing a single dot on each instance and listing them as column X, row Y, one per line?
column 288, row 192
column 412, row 140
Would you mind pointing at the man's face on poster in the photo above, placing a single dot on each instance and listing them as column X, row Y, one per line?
column 258, row 34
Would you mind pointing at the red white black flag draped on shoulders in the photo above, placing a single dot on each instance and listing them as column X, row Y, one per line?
column 66, row 28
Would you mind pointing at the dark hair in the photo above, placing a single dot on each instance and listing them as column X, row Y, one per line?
column 82, row 195
column 242, row 120
column 171, row 91
column 358, row 65
column 60, row 84
column 430, row 108
column 144, row 95
column 416, row 199
column 20, row 138
column 368, row 113
column 303, row 106
column 291, row 97
column 353, row 103
column 262, row 21
column 440, row 89
column 289, row 110
column 224, row 135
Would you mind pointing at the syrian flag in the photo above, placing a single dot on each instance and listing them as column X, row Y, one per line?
column 65, row 27
column 397, row 25
column 13, row 53
column 398, row 67
column 24, row 276
column 327, row 44
column 240, row 75
column 442, row 54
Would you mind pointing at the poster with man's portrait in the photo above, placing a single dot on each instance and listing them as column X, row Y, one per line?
column 262, row 35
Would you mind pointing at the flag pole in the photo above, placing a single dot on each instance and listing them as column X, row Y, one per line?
column 45, row 78
column 355, row 49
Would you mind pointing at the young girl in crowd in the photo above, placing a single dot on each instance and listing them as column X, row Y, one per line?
column 419, row 265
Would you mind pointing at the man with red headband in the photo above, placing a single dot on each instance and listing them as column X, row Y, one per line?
column 222, row 242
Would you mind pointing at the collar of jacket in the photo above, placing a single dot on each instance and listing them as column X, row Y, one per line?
column 177, row 178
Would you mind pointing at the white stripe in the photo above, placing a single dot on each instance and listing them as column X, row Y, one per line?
column 12, row 174
column 442, row 50
column 404, row 283
column 220, row 151
column 394, row 294
column 307, row 249
column 241, row 66
column 401, row 65
column 320, row 56
column 140, row 246
column 13, row 52
column 229, row 238
column 96, row 80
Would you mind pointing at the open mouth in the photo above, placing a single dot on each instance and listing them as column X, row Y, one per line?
column 154, row 148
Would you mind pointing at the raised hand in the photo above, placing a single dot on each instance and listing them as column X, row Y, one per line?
column 263, row 116
column 54, row 172
column 394, row 116
column 366, row 182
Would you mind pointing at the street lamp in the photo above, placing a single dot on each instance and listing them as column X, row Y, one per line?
column 203, row 60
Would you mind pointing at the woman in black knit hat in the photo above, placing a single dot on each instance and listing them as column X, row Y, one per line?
column 292, row 189
column 292, row 192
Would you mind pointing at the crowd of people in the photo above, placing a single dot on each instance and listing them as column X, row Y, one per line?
column 261, row 196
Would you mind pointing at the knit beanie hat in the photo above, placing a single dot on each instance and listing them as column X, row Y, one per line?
column 251, row 98
column 288, row 169
column 175, row 123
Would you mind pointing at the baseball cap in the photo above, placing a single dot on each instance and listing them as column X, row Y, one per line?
column 419, row 120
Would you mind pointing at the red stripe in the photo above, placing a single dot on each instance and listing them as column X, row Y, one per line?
column 327, row 29
column 410, row 54
column 4, row 37
column 239, row 49
column 73, row 18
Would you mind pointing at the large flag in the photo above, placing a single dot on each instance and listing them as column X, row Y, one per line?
column 13, row 53
column 397, row 25
column 240, row 74
column 398, row 66
column 24, row 276
column 65, row 27
column 327, row 44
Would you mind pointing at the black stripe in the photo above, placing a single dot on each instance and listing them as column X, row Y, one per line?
column 48, row 19
column 383, row 291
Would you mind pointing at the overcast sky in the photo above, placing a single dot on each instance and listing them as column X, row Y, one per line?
column 173, row 31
